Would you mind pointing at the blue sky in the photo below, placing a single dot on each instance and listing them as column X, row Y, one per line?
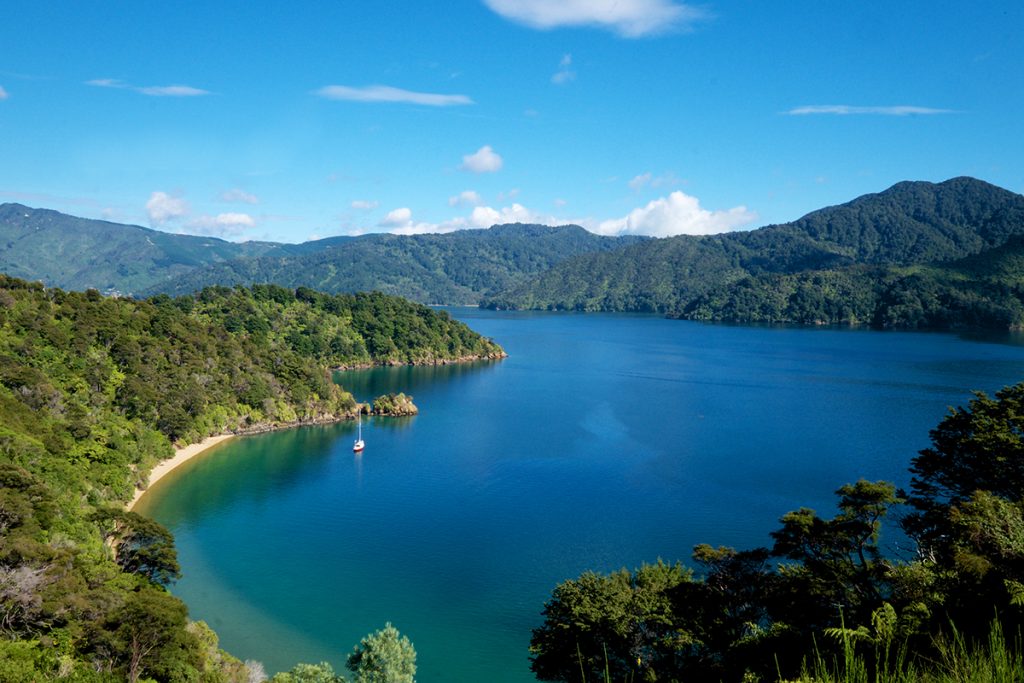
column 290, row 121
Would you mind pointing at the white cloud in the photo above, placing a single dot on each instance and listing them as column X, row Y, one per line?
column 466, row 198
column 628, row 18
column 223, row 225
column 364, row 205
column 484, row 160
column 559, row 202
column 3, row 93
column 235, row 219
column 845, row 110
column 237, row 195
column 485, row 216
column 400, row 220
column 151, row 90
column 677, row 214
column 162, row 207
column 564, row 73
column 397, row 218
column 386, row 93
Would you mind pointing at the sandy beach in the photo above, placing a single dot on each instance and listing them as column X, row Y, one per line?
column 180, row 456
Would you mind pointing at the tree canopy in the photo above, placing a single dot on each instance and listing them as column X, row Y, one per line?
column 829, row 585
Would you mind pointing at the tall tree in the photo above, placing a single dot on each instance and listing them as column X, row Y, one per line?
column 384, row 656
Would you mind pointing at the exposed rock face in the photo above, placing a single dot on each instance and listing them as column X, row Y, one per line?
column 394, row 405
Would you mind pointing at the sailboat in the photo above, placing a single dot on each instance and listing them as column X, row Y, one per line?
column 359, row 445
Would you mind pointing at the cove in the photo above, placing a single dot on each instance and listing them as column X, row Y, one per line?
column 603, row 441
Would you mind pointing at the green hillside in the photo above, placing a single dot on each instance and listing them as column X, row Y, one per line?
column 79, row 253
column 452, row 268
column 94, row 391
column 888, row 259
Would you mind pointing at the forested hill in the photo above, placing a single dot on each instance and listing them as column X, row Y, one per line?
column 453, row 268
column 887, row 259
column 79, row 253
column 93, row 391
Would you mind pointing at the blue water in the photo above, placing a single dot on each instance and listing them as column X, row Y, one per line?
column 603, row 441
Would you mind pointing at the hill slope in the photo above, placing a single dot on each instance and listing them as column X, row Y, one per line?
column 80, row 253
column 829, row 266
column 93, row 391
column 453, row 268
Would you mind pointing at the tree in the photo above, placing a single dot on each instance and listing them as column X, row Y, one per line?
column 978, row 448
column 839, row 557
column 384, row 656
column 308, row 673
column 148, row 633
column 623, row 621
column 141, row 545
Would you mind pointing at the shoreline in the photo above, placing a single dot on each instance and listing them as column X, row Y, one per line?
column 180, row 457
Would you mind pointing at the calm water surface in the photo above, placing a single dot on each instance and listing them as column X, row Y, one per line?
column 603, row 441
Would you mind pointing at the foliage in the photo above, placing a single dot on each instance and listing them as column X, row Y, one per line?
column 916, row 255
column 79, row 253
column 451, row 268
column 833, row 608
column 141, row 546
column 309, row 673
column 94, row 391
column 383, row 656
column 394, row 404
column 621, row 621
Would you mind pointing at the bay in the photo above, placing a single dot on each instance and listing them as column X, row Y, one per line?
column 603, row 441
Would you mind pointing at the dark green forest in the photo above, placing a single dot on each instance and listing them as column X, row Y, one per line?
column 917, row 255
column 95, row 390
column 452, row 268
column 825, row 591
column 455, row 268
column 925, row 255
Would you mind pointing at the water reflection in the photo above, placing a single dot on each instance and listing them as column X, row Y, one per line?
column 367, row 384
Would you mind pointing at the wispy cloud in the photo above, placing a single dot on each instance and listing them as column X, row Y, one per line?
column 484, row 160
column 564, row 73
column 386, row 93
column 151, row 90
column 649, row 179
column 364, row 205
column 3, row 93
column 628, row 18
column 237, row 195
column 107, row 83
column 172, row 91
column 847, row 110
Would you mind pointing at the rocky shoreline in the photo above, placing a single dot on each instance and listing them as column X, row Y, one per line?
column 434, row 361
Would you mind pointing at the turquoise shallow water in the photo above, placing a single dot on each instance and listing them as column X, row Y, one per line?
column 602, row 441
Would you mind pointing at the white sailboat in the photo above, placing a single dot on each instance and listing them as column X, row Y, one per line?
column 359, row 445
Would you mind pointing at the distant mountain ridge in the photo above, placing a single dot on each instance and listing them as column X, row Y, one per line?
column 80, row 253
column 914, row 255
column 851, row 263
column 452, row 268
